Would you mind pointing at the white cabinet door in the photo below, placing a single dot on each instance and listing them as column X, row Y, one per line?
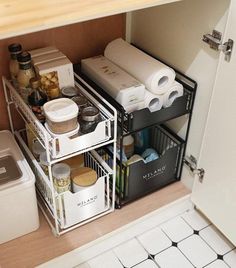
column 216, row 195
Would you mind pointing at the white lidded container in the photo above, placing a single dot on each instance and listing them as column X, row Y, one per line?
column 18, row 204
column 61, row 115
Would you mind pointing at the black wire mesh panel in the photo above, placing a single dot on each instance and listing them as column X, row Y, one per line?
column 139, row 119
column 139, row 178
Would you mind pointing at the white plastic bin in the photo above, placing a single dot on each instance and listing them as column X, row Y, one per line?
column 18, row 204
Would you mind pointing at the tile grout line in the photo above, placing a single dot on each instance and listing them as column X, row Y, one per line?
column 150, row 255
column 213, row 248
column 159, row 226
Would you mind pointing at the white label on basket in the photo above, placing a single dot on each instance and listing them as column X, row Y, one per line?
column 154, row 173
column 2, row 170
column 85, row 203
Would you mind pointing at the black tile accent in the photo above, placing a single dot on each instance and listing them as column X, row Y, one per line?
column 220, row 257
column 174, row 244
column 196, row 232
column 151, row 257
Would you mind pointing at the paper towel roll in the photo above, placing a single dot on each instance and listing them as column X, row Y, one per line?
column 175, row 91
column 153, row 102
column 156, row 76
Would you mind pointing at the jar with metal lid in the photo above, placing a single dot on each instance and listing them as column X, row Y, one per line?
column 61, row 177
column 69, row 92
column 81, row 102
column 15, row 50
column 26, row 72
column 82, row 178
column 89, row 119
column 37, row 99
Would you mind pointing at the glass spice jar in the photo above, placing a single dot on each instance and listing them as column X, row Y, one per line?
column 15, row 50
column 61, row 177
column 26, row 72
column 53, row 92
column 89, row 119
column 37, row 99
column 81, row 102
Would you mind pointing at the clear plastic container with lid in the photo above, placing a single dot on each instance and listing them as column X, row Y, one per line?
column 61, row 115
column 61, row 177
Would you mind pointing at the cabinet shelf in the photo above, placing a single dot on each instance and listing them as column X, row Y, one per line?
column 22, row 17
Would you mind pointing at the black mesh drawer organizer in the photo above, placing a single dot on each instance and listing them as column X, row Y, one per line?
column 138, row 179
column 137, row 120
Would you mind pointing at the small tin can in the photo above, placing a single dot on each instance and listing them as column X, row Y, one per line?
column 90, row 114
column 90, row 117
column 81, row 101
column 69, row 92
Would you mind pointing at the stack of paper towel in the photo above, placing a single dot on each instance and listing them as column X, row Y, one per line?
column 119, row 84
column 123, row 83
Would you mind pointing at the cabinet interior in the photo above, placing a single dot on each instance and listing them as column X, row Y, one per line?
column 172, row 32
column 77, row 41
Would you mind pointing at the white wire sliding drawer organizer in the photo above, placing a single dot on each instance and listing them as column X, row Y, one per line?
column 72, row 208
column 63, row 145
column 68, row 210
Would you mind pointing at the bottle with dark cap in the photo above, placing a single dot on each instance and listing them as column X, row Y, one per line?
column 37, row 98
column 15, row 50
column 26, row 72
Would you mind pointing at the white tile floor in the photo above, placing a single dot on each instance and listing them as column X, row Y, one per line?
column 186, row 240
column 174, row 244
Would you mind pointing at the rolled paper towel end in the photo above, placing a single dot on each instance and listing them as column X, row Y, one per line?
column 153, row 102
column 161, row 81
column 175, row 91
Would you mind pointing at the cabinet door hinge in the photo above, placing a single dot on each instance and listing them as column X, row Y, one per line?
column 191, row 162
column 215, row 42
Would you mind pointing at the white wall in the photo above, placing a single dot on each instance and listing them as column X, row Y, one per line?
column 173, row 32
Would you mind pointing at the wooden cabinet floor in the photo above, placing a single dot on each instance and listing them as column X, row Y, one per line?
column 41, row 246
